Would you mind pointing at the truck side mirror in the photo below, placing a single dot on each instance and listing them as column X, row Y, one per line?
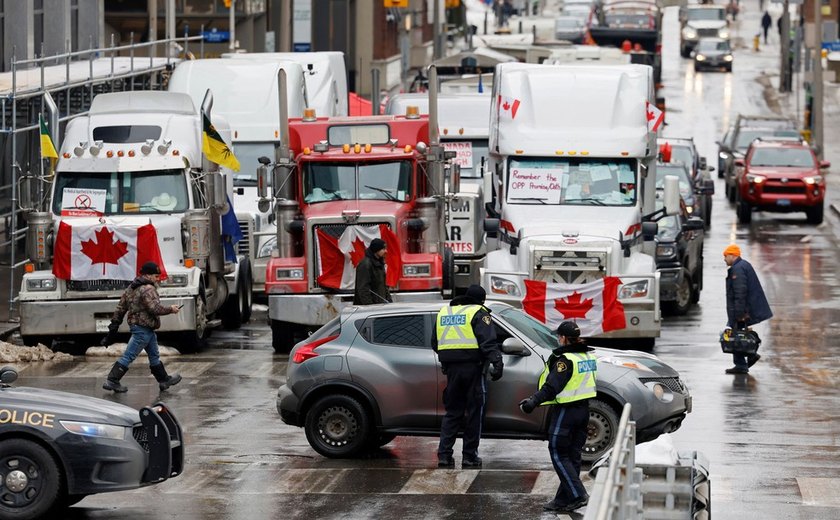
column 703, row 163
column 649, row 231
column 491, row 227
column 672, row 195
column 263, row 180
column 454, row 179
column 694, row 224
column 707, row 187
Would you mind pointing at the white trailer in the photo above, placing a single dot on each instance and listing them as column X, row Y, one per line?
column 574, row 164
column 464, row 130
column 246, row 95
column 130, row 183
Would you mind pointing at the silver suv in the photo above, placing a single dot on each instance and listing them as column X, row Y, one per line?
column 371, row 374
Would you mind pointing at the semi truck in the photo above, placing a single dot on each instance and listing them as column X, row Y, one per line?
column 464, row 130
column 339, row 182
column 573, row 159
column 246, row 96
column 131, row 184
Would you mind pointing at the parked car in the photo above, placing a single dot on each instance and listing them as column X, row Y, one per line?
column 701, row 21
column 570, row 28
column 371, row 374
column 679, row 261
column 694, row 193
column 683, row 150
column 712, row 53
column 57, row 448
column 780, row 176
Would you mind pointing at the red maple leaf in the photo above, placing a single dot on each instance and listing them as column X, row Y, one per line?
column 105, row 250
column 649, row 115
column 506, row 106
column 358, row 251
column 572, row 306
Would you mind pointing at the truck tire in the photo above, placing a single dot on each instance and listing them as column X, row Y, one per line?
column 35, row 472
column 448, row 272
column 195, row 340
column 283, row 336
column 337, row 426
column 815, row 214
column 237, row 307
column 601, row 430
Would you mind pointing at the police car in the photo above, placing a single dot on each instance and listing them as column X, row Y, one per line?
column 57, row 448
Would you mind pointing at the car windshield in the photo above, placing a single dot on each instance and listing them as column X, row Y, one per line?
column 247, row 154
column 782, row 157
column 668, row 223
column 154, row 191
column 323, row 182
column 575, row 182
column 469, row 154
column 745, row 137
column 628, row 20
column 682, row 154
column 706, row 14
column 677, row 171
column 535, row 331
column 713, row 45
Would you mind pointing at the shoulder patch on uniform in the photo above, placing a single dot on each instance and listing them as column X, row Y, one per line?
column 561, row 366
column 486, row 320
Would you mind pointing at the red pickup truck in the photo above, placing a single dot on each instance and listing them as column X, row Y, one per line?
column 780, row 176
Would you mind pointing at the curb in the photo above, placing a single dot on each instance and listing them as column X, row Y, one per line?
column 6, row 333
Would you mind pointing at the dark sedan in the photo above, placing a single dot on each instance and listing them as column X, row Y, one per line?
column 713, row 53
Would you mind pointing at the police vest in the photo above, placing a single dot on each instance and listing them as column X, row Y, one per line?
column 454, row 329
column 582, row 384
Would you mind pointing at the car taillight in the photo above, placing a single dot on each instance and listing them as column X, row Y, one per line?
column 307, row 350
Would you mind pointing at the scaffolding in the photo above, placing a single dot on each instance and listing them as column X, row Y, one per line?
column 62, row 87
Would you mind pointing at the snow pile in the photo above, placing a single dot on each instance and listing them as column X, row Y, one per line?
column 118, row 349
column 15, row 353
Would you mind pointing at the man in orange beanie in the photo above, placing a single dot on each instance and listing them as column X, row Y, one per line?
column 745, row 302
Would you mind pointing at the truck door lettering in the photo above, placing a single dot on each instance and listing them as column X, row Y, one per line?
column 454, row 233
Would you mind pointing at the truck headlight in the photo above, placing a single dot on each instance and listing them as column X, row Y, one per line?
column 175, row 280
column 500, row 285
column 289, row 274
column 728, row 57
column 105, row 431
column 633, row 290
column 689, row 33
column 723, row 33
column 666, row 251
column 40, row 284
column 265, row 249
column 417, row 270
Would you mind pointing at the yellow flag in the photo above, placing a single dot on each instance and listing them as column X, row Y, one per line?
column 215, row 148
column 47, row 146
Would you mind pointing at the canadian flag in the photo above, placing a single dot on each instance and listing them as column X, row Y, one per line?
column 593, row 306
column 338, row 258
column 99, row 251
column 655, row 117
column 508, row 107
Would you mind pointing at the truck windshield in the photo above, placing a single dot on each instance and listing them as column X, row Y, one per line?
column 572, row 182
column 706, row 14
column 323, row 182
column 247, row 154
column 155, row 191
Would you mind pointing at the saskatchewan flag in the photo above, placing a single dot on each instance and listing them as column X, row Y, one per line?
column 215, row 148
column 47, row 146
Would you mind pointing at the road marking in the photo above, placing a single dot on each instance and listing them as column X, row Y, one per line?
column 439, row 482
column 546, row 484
column 824, row 492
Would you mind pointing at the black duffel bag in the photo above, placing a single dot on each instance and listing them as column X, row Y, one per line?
column 742, row 341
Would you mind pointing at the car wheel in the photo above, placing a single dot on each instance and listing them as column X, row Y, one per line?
column 729, row 68
column 721, row 165
column 696, row 68
column 684, row 52
column 744, row 212
column 732, row 192
column 70, row 500
column 707, row 216
column 698, row 280
column 337, row 426
column 684, row 294
column 31, row 480
column 601, row 430
column 815, row 214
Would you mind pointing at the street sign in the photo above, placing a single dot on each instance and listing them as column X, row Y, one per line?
column 216, row 36
column 396, row 3
column 831, row 46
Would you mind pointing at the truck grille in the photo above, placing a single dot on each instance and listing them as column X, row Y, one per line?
column 572, row 267
column 139, row 433
column 707, row 32
column 673, row 384
column 246, row 225
column 97, row 285
column 335, row 231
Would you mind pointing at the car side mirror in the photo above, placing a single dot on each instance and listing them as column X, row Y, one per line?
column 711, row 169
column 825, row 164
column 8, row 375
column 703, row 163
column 707, row 187
column 739, row 162
column 694, row 224
column 515, row 347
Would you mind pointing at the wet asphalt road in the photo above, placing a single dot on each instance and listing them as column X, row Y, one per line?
column 771, row 436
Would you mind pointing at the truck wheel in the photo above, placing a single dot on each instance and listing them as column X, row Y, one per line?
column 815, row 214
column 237, row 307
column 33, row 341
column 337, row 426
column 448, row 272
column 601, row 430
column 196, row 340
column 31, row 480
column 744, row 212
column 283, row 336
column 249, row 292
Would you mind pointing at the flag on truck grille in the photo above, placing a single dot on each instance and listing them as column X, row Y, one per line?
column 47, row 146
column 593, row 306
column 93, row 251
column 214, row 147
column 338, row 257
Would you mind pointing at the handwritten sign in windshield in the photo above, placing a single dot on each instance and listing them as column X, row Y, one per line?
column 537, row 184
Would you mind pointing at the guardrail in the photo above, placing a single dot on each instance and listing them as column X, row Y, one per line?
column 618, row 487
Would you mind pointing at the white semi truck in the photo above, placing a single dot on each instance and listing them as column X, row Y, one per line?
column 246, row 96
column 574, row 161
column 131, row 184
column 464, row 130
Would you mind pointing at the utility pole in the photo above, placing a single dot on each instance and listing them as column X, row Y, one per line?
column 817, row 86
column 436, row 43
column 232, row 22
column 784, row 34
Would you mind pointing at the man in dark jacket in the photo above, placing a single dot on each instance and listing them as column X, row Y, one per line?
column 566, row 385
column 142, row 305
column 766, row 22
column 746, row 304
column 370, row 276
column 466, row 340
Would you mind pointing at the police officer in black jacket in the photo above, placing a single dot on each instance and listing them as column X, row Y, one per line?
column 466, row 340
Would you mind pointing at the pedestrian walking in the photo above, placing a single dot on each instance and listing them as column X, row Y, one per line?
column 746, row 303
column 140, row 304
column 766, row 22
column 466, row 343
column 370, row 276
column 566, row 385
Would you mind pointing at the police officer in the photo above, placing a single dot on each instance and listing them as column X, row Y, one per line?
column 466, row 340
column 566, row 384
